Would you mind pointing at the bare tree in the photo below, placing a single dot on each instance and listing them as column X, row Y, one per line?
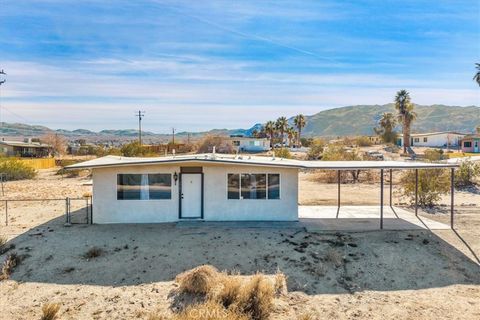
column 57, row 142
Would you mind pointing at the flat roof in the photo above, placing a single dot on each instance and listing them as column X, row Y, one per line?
column 435, row 133
column 117, row 161
column 24, row 144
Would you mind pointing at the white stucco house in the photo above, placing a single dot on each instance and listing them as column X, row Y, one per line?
column 445, row 139
column 249, row 144
column 206, row 187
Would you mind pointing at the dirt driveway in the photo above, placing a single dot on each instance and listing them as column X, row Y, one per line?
column 374, row 275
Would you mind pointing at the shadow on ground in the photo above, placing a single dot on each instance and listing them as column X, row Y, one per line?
column 315, row 263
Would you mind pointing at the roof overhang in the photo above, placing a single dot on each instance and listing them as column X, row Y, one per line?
column 116, row 161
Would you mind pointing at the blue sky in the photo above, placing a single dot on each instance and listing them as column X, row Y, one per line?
column 197, row 65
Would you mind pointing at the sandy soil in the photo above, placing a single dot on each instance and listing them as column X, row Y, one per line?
column 380, row 275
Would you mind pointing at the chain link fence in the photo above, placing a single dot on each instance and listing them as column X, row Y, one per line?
column 56, row 211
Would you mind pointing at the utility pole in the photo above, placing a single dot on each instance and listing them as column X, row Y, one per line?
column 173, row 137
column 140, row 115
column 1, row 82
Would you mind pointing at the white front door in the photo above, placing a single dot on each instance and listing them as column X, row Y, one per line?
column 475, row 148
column 191, row 195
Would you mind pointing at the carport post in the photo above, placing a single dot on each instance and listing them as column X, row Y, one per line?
column 416, row 192
column 381, row 198
column 390, row 188
column 452, row 190
column 338, row 198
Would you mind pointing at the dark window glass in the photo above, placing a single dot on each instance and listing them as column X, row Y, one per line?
column 467, row 144
column 254, row 186
column 160, row 186
column 273, row 186
column 233, row 186
column 144, row 186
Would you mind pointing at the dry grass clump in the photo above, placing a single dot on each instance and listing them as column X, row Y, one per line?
column 228, row 292
column 200, row 280
column 50, row 311
column 306, row 316
column 93, row 252
column 11, row 261
column 280, row 283
column 210, row 310
column 3, row 241
column 256, row 298
column 234, row 296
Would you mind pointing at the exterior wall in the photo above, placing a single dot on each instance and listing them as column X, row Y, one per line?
column 107, row 209
column 249, row 144
column 435, row 140
column 219, row 208
column 472, row 148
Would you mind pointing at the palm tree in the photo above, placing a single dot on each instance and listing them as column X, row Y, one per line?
column 406, row 115
column 387, row 125
column 282, row 126
column 477, row 75
column 270, row 131
column 291, row 133
column 299, row 122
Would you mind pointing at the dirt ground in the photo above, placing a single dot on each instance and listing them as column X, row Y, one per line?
column 374, row 275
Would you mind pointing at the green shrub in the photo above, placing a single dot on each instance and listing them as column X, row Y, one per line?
column 363, row 141
column 16, row 170
column 432, row 184
column 283, row 153
column 433, row 155
column 316, row 149
column 466, row 173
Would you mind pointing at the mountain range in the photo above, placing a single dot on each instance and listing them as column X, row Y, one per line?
column 344, row 121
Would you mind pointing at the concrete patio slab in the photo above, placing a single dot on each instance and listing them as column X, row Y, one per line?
column 363, row 218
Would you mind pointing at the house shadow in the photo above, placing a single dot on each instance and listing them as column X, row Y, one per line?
column 315, row 263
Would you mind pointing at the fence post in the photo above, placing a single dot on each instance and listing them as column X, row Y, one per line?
column 91, row 209
column 86, row 209
column 67, row 211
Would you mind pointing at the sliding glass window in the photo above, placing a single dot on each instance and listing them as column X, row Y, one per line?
column 154, row 186
column 253, row 186
column 273, row 186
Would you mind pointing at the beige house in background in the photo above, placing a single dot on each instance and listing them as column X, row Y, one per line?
column 442, row 139
column 25, row 148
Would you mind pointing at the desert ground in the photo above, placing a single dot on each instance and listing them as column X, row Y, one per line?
column 376, row 275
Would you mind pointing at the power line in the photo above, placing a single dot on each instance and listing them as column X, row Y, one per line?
column 140, row 115
column 1, row 82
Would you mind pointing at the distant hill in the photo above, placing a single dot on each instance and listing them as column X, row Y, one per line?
column 345, row 121
column 361, row 119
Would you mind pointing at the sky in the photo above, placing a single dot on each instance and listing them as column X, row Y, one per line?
column 198, row 65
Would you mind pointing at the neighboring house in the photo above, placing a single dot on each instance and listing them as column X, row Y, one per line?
column 434, row 139
column 471, row 143
column 25, row 148
column 206, row 187
column 247, row 144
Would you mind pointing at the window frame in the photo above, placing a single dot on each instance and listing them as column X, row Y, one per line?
column 148, row 173
column 266, row 189
column 469, row 142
